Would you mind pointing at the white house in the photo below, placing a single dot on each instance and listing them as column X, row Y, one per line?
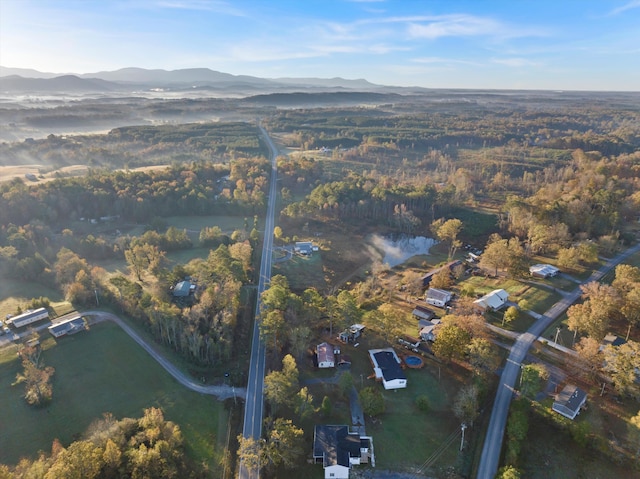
column 569, row 401
column 427, row 332
column 438, row 297
column 339, row 449
column 386, row 366
column 326, row 355
column 494, row 300
column 543, row 270
column 68, row 326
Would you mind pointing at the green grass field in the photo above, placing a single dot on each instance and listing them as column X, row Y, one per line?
column 303, row 272
column 100, row 371
column 14, row 293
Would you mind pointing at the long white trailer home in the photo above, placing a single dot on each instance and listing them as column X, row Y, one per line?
column 28, row 317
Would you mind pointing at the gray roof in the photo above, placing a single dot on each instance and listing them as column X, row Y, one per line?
column 571, row 397
column 335, row 445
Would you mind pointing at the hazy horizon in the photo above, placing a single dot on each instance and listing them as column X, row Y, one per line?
column 587, row 45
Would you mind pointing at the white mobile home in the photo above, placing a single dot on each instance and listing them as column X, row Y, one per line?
column 28, row 317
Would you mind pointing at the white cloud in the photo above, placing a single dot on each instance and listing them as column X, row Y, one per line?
column 463, row 25
column 514, row 62
column 203, row 5
column 625, row 7
column 442, row 60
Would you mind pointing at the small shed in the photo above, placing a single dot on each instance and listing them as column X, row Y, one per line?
column 569, row 401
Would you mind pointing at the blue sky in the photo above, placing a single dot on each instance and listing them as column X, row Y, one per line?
column 530, row 44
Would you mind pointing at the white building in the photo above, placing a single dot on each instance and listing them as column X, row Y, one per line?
column 543, row 270
column 438, row 297
column 494, row 300
column 386, row 366
column 28, row 317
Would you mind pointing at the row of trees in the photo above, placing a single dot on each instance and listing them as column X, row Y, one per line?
column 188, row 189
column 602, row 305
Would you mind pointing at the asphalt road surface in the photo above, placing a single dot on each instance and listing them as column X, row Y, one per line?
column 254, row 403
column 493, row 441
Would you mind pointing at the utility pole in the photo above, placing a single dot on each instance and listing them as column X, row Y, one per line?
column 97, row 302
column 463, row 426
column 557, row 333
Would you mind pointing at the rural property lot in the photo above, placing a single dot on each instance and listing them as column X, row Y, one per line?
column 100, row 371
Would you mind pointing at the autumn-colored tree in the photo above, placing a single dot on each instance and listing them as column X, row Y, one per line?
column 441, row 279
column 622, row 363
column 281, row 386
column 451, row 342
column 511, row 314
column 483, row 356
column 447, row 232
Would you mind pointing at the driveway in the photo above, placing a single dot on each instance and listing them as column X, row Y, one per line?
column 222, row 391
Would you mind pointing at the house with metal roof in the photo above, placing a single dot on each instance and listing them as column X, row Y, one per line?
column 68, row 326
column 543, row 270
column 326, row 355
column 493, row 301
column 438, row 297
column 183, row 289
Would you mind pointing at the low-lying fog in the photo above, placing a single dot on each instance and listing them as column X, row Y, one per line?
column 396, row 251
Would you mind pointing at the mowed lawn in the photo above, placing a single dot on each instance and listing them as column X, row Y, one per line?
column 98, row 371
column 405, row 436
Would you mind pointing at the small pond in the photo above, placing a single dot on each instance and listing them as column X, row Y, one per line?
column 398, row 250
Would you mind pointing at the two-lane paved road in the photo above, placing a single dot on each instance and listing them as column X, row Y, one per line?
column 493, row 440
column 255, row 386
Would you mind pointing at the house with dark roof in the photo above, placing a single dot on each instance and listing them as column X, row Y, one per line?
column 421, row 312
column 339, row 449
column 386, row 366
column 569, row 401
column 68, row 326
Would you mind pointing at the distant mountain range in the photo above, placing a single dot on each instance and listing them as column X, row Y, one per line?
column 20, row 80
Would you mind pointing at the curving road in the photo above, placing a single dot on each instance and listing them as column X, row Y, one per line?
column 254, row 403
column 493, row 441
column 222, row 391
